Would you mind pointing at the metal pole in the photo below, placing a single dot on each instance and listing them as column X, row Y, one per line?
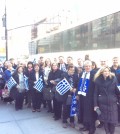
column 6, row 33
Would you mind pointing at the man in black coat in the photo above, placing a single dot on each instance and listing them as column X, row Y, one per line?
column 115, row 68
column 86, row 101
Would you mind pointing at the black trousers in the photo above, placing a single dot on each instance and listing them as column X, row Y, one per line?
column 66, row 113
column 109, row 128
column 36, row 99
column 19, row 100
column 57, row 106
column 49, row 103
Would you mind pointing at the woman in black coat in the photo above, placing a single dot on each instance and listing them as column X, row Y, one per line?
column 36, row 95
column 53, row 78
column 105, row 98
column 18, row 90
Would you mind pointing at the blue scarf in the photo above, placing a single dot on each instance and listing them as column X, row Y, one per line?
column 73, row 110
column 84, row 84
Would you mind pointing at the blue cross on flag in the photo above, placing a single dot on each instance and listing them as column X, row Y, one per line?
column 39, row 84
column 63, row 86
column 10, row 83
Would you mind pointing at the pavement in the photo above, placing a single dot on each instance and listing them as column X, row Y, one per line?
column 26, row 122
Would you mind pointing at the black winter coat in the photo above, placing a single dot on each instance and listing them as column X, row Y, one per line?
column 87, row 113
column 105, row 97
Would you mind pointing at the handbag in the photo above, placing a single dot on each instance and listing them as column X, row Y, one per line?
column 5, row 93
column 47, row 93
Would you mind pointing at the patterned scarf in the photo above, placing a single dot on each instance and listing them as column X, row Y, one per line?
column 84, row 84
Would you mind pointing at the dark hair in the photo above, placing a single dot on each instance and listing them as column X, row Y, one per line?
column 70, row 66
column 36, row 64
column 41, row 57
column 70, row 57
column 94, row 64
column 30, row 62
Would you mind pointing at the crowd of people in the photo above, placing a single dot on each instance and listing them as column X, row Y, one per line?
column 96, row 90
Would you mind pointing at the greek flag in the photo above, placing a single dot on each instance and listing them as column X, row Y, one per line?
column 39, row 84
column 83, row 84
column 10, row 83
column 73, row 110
column 118, row 86
column 26, row 82
column 63, row 86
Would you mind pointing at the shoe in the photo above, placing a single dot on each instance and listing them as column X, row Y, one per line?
column 83, row 129
column 91, row 132
column 33, row 110
column 72, row 125
column 16, row 109
column 56, row 118
column 65, row 125
column 100, row 125
column 49, row 111
column 38, row 110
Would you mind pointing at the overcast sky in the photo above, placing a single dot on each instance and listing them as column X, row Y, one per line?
column 22, row 12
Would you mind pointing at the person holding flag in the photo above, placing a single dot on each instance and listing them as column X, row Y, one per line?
column 19, row 89
column 66, row 98
column 7, row 75
column 37, row 82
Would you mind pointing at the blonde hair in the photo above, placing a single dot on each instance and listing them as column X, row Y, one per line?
column 101, row 70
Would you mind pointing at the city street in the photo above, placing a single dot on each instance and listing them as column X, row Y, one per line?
column 26, row 122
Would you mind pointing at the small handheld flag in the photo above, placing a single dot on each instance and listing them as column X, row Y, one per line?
column 63, row 86
column 10, row 83
column 39, row 84
column 26, row 82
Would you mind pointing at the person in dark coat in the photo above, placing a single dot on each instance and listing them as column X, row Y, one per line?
column 105, row 98
column 62, row 65
column 115, row 68
column 72, row 79
column 19, row 89
column 36, row 95
column 53, row 78
column 28, row 71
column 87, row 114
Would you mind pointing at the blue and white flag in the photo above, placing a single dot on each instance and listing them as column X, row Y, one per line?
column 73, row 110
column 63, row 86
column 84, row 83
column 10, row 83
column 118, row 86
column 39, row 84
column 26, row 82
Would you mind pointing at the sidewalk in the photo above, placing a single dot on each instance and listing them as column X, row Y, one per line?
column 26, row 122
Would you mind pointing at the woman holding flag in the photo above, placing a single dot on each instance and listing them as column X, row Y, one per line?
column 37, row 83
column 19, row 88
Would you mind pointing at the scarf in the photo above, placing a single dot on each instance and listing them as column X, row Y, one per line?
column 73, row 110
column 84, row 84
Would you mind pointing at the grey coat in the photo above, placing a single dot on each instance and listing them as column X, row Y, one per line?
column 106, row 97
